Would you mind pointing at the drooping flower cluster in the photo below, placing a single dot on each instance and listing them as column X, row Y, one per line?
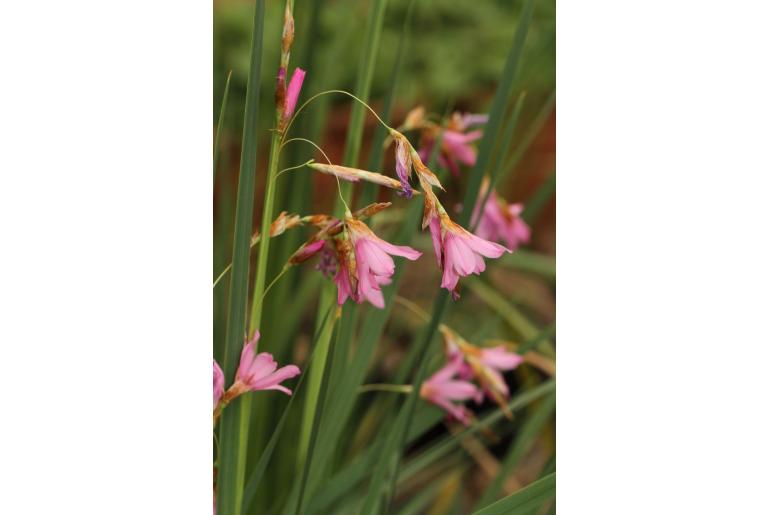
column 359, row 260
column 459, row 253
column 469, row 362
column 255, row 372
column 363, row 259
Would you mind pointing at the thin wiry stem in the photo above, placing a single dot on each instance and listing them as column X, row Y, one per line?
column 411, row 306
column 339, row 187
column 293, row 168
column 327, row 92
column 384, row 387
column 275, row 280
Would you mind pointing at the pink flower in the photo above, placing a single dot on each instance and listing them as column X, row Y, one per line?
column 219, row 383
column 455, row 144
column 258, row 372
column 292, row 92
column 468, row 120
column 502, row 222
column 495, row 360
column 458, row 251
column 361, row 274
column 441, row 389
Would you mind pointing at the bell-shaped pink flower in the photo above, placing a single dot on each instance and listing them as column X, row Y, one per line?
column 458, row 251
column 292, row 92
column 372, row 266
column 258, row 372
column 219, row 383
column 502, row 222
column 442, row 389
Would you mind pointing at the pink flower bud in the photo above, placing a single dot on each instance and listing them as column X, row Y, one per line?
column 292, row 92
column 219, row 383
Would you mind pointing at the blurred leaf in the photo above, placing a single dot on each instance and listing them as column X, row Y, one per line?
column 525, row 500
column 505, row 143
column 509, row 312
column 496, row 113
column 322, row 400
column 424, row 420
column 538, row 200
column 526, row 436
column 533, row 129
column 369, row 193
column 530, row 261
column 448, row 443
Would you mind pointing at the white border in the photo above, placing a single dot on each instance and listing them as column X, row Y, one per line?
column 106, row 297
column 663, row 257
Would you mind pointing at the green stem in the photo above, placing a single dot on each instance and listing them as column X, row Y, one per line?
column 221, row 122
column 352, row 149
column 316, row 374
column 264, row 241
column 385, row 387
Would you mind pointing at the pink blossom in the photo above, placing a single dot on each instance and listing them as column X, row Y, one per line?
column 458, row 251
column 292, row 92
column 258, row 372
column 468, row 120
column 370, row 264
column 502, row 222
column 441, row 389
column 456, row 146
column 496, row 360
column 219, row 383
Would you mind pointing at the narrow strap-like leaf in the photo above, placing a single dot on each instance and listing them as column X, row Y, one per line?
column 496, row 112
column 221, row 122
column 538, row 200
column 525, row 500
column 259, row 470
column 369, row 192
column 232, row 456
column 505, row 143
column 525, row 437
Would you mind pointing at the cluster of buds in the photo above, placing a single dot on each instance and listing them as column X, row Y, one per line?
column 286, row 97
column 465, row 363
column 255, row 372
